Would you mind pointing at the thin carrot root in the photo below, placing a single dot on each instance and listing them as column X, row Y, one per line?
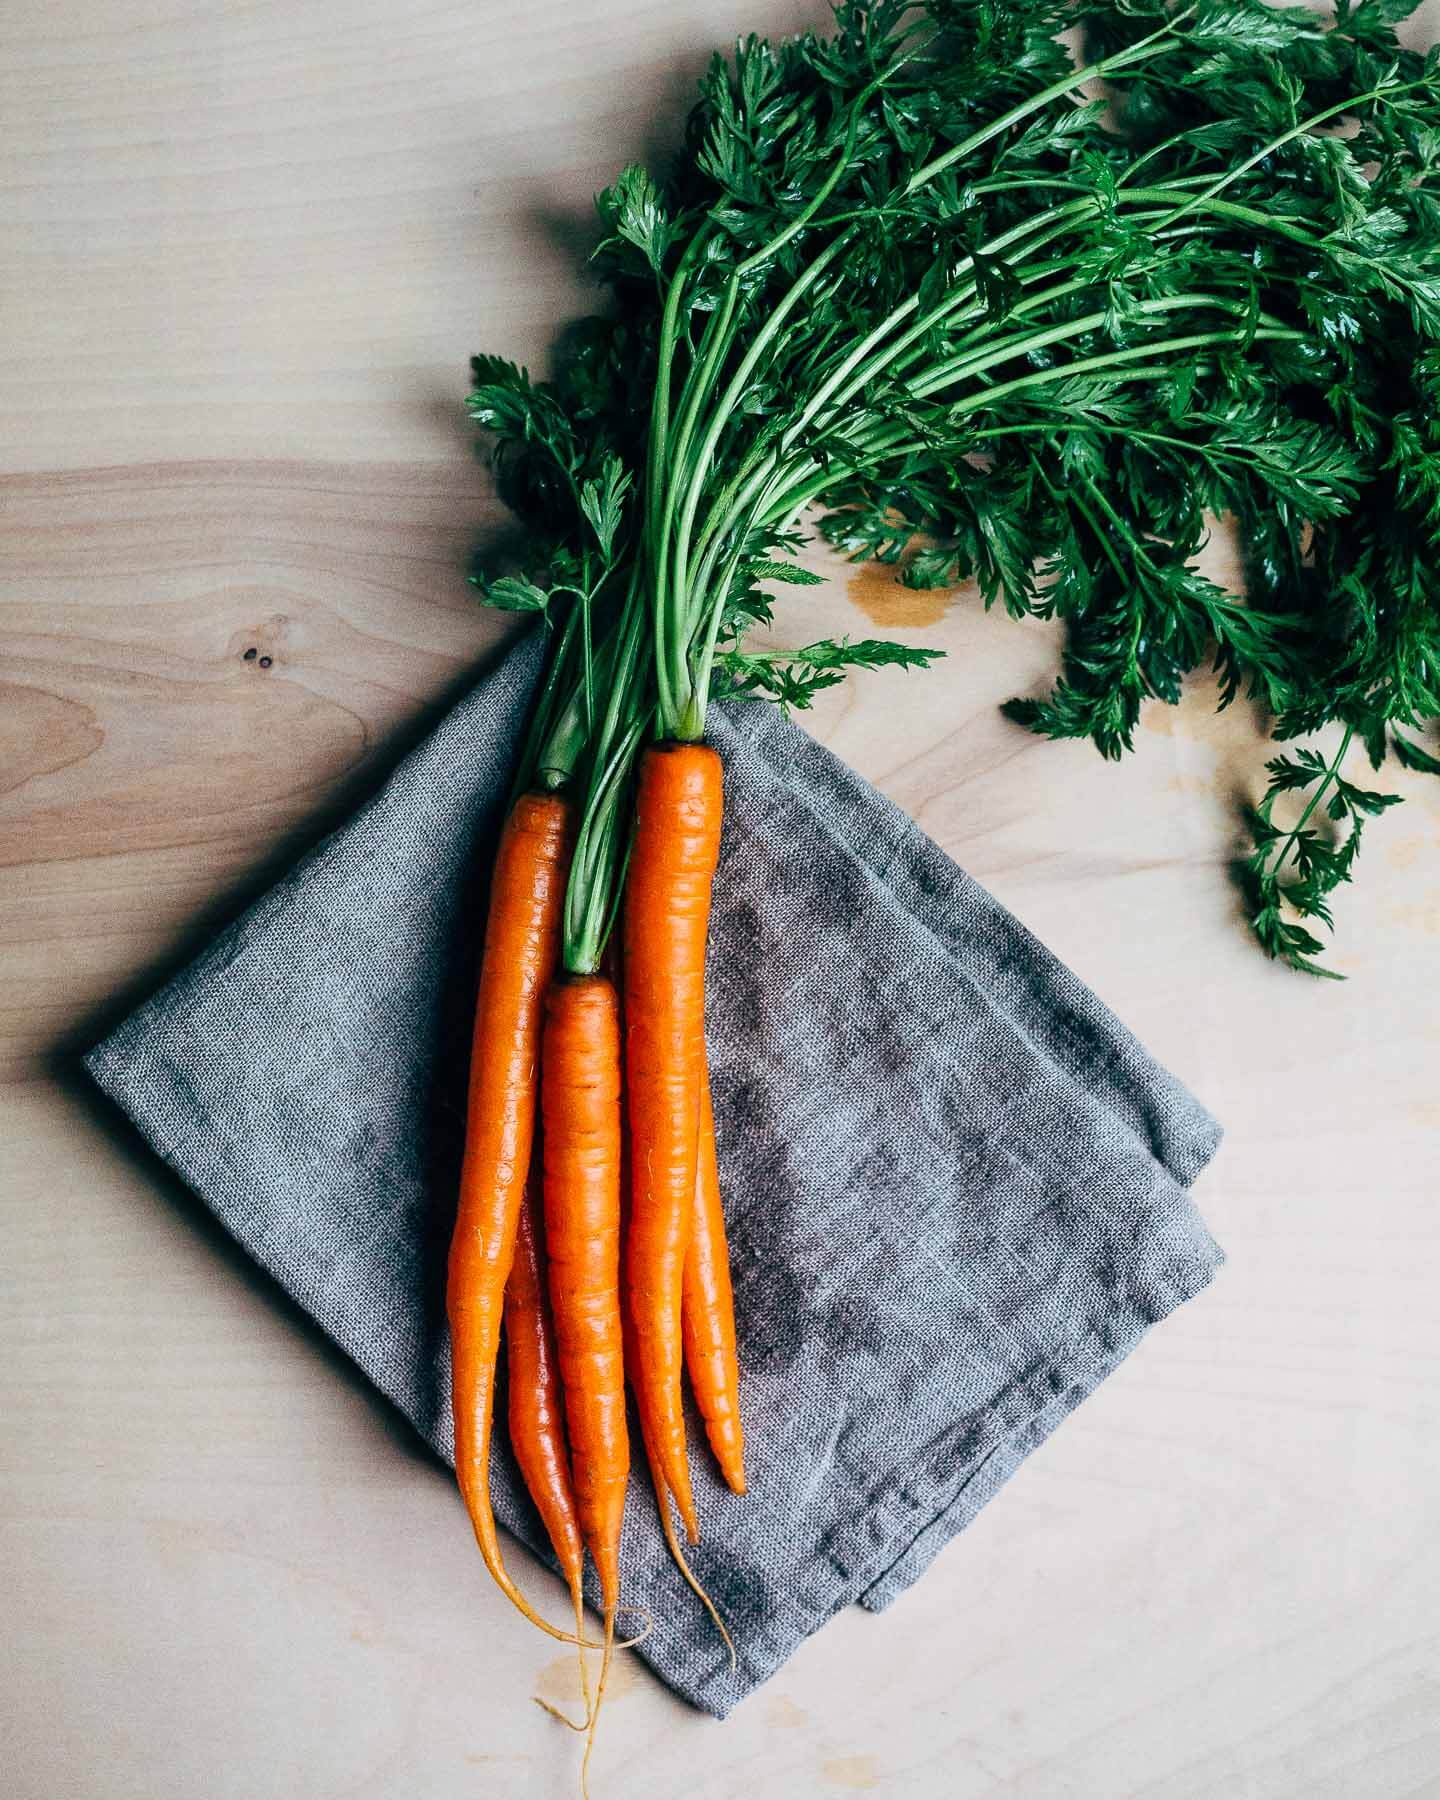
column 640, row 1636
column 503, row 1580
column 560, row 1717
column 578, row 1600
column 599, row 1699
column 607, row 1565
column 667, row 1525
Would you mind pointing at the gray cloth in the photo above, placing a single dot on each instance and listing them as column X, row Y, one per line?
column 955, row 1185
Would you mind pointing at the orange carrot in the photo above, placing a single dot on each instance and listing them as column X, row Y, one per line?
column 667, row 914
column 580, row 1102
column 663, row 1497
column 522, row 942
column 708, row 1310
column 537, row 1426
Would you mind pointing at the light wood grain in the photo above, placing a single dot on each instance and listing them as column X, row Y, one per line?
column 247, row 251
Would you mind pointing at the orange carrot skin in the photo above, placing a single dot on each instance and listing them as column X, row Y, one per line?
column 708, row 1311
column 667, row 915
column 580, row 1103
column 536, row 1403
column 522, row 946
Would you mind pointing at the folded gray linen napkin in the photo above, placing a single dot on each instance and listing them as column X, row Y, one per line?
column 955, row 1185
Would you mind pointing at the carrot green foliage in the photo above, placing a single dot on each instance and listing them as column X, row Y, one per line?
column 991, row 308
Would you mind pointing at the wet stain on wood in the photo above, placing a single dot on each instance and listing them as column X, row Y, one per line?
column 853, row 1774
column 559, row 1681
column 887, row 602
column 782, row 1714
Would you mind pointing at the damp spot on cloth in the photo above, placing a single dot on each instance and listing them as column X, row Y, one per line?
column 851, row 1326
column 766, row 1246
column 772, row 1241
column 742, row 1593
column 772, row 1323
column 736, row 959
column 849, row 893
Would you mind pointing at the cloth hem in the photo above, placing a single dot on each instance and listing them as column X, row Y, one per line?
column 878, row 1541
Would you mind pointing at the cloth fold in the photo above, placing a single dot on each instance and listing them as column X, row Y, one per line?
column 955, row 1185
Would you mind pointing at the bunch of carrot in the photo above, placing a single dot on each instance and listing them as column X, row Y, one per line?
column 589, row 1219
column 589, row 1222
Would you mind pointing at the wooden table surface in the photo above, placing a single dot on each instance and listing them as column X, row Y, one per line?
column 248, row 249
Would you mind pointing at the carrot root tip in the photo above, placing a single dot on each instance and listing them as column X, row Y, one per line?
column 556, row 1713
column 641, row 1635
